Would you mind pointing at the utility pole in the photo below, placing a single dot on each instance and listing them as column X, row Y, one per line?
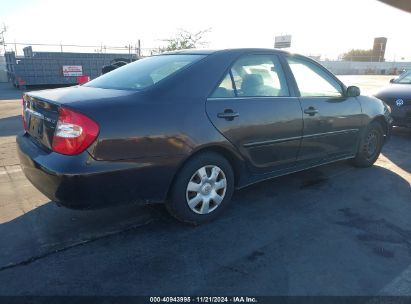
column 3, row 30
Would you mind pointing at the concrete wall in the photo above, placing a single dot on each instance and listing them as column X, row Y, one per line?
column 3, row 69
column 365, row 68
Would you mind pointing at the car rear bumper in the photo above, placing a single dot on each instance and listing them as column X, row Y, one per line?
column 81, row 182
column 402, row 116
column 402, row 122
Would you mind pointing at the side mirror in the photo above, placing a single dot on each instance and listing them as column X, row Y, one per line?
column 353, row 91
column 392, row 80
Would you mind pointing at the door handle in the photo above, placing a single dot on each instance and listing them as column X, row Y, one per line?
column 228, row 114
column 311, row 111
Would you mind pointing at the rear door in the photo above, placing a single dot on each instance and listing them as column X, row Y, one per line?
column 332, row 121
column 253, row 108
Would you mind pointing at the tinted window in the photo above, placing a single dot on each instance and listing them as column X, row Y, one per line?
column 404, row 78
column 225, row 89
column 144, row 72
column 312, row 80
column 254, row 76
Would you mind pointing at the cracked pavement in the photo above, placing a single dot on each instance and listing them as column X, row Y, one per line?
column 333, row 230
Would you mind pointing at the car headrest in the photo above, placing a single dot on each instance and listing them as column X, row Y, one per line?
column 251, row 84
column 251, row 81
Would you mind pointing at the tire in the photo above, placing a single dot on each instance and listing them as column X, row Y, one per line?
column 215, row 169
column 370, row 145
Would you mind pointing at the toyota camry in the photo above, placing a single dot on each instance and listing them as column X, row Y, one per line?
column 188, row 128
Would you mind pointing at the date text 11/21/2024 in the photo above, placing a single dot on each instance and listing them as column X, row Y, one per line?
column 203, row 300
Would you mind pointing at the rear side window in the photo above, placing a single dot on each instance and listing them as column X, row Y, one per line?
column 254, row 76
column 225, row 89
column 143, row 73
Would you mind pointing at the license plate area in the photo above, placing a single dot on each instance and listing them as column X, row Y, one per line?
column 35, row 127
column 41, row 119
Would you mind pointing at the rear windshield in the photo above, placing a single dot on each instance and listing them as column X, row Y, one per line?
column 143, row 73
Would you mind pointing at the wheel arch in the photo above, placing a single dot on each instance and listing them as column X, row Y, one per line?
column 234, row 159
column 381, row 119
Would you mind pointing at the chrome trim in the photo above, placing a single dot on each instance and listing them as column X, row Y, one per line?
column 272, row 141
column 331, row 133
column 251, row 97
column 35, row 113
column 281, row 140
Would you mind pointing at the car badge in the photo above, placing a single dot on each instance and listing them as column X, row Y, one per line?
column 399, row 102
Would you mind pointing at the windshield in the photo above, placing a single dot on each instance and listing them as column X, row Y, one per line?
column 144, row 72
column 404, row 78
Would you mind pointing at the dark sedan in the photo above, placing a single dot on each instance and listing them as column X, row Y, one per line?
column 398, row 96
column 187, row 128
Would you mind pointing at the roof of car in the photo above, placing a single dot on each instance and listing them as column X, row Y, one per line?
column 234, row 50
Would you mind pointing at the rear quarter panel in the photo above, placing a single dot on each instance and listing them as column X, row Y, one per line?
column 150, row 129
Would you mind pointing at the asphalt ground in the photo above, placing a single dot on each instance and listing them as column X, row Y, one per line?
column 332, row 230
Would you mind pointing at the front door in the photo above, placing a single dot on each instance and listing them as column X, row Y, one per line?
column 332, row 121
column 253, row 109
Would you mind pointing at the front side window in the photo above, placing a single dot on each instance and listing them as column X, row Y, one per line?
column 312, row 81
column 143, row 73
column 404, row 78
column 254, row 76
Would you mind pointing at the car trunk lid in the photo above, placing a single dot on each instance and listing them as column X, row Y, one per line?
column 40, row 118
column 41, row 109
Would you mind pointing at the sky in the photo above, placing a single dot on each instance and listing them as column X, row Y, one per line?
column 318, row 27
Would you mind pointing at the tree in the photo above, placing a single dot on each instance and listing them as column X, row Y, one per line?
column 185, row 40
column 359, row 55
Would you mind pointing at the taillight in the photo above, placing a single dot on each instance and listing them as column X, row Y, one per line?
column 74, row 132
column 23, row 116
